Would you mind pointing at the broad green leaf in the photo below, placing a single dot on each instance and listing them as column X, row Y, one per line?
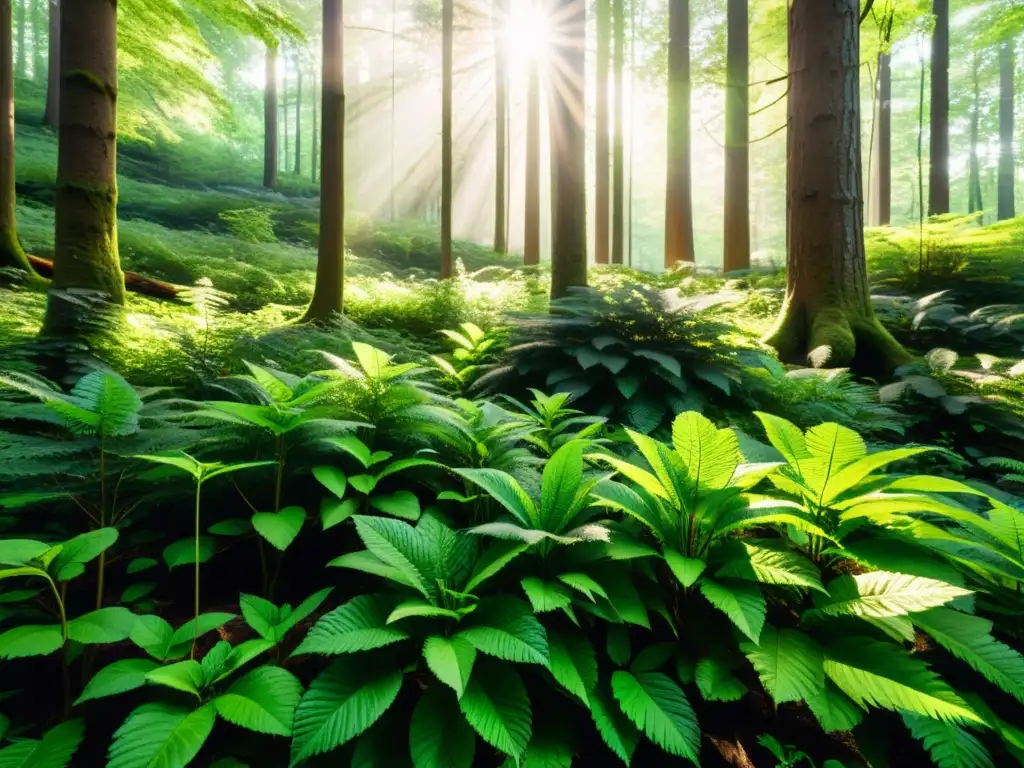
column 263, row 701
column 506, row 628
column 278, row 390
column 178, row 459
column 403, row 504
column 333, row 479
column 119, row 677
column 504, row 489
column 183, row 551
column 653, row 657
column 161, row 735
column 54, row 750
column 667, row 362
column 949, row 745
column 363, row 483
column 658, row 707
column 302, row 610
column 880, row 594
column 136, row 592
column 560, row 483
column 262, row 615
column 187, row 676
column 438, row 734
column 742, row 603
column 181, row 640
column 417, row 606
column 573, row 663
column 373, row 361
column 686, row 569
column 496, row 706
column 769, row 564
column 20, row 551
column 581, row 582
column 30, row 640
column 342, row 702
column 785, row 437
column 107, row 625
column 620, row 650
column 546, row 596
column 451, row 660
column 789, row 662
column 140, row 564
column 334, row 512
column 232, row 526
column 280, row 529
column 716, row 682
column 400, row 546
column 616, row 730
column 710, row 454
column 358, row 625
column 833, row 710
column 80, row 550
column 153, row 635
column 353, row 446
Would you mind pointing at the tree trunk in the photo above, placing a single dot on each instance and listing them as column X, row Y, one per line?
column 298, row 115
column 85, row 242
column 569, row 151
column 602, row 145
column 883, row 153
column 316, row 139
column 828, row 306
column 51, row 114
column 500, row 13
column 270, row 120
column 531, row 238
column 736, row 249
column 19, row 62
column 619, row 144
column 1007, row 169
column 447, row 56
column 938, row 187
column 284, row 109
column 12, row 255
column 38, row 22
column 974, row 201
column 329, row 292
column 678, row 194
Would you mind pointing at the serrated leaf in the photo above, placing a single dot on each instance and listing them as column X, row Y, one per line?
column 333, row 479
column 616, row 730
column 30, row 640
column 686, row 569
column 790, row 663
column 833, row 710
column 496, row 706
column 119, row 677
column 880, row 594
column 573, row 663
column 506, row 628
column 107, row 625
column 187, row 676
column 742, row 603
column 280, row 529
column 545, row 596
column 334, row 512
column 264, row 701
column 716, row 682
column 54, row 750
column 358, row 625
column 161, row 735
column 658, row 707
column 949, row 745
column 438, row 734
column 403, row 504
column 451, row 660
column 80, row 550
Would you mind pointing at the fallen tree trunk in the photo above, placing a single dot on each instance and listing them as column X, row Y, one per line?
column 134, row 282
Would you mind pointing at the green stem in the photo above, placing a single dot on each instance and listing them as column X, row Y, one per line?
column 101, row 578
column 195, row 631
column 60, row 608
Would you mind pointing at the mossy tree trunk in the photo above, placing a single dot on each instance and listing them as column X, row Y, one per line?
column 736, row 249
column 531, row 235
column 568, row 150
column 828, row 304
column 500, row 14
column 1007, row 169
column 85, row 242
column 938, row 174
column 270, row 119
column 679, row 244
column 51, row 116
column 602, row 143
column 329, row 292
column 447, row 55
column 619, row 141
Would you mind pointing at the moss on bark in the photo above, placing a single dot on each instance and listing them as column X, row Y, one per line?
column 13, row 257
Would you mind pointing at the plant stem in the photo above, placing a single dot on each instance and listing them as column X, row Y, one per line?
column 103, row 521
column 195, row 630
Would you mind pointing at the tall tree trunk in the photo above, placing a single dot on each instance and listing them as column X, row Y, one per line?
column 569, row 151
column 85, row 242
column 20, row 61
column 500, row 14
column 38, row 22
column 531, row 238
column 974, row 201
column 51, row 115
column 736, row 250
column 447, row 57
column 284, row 109
column 12, row 255
column 619, row 143
column 679, row 244
column 298, row 115
column 828, row 305
column 313, row 163
column 602, row 143
column 883, row 153
column 938, row 187
column 329, row 292
column 1007, row 169
column 270, row 119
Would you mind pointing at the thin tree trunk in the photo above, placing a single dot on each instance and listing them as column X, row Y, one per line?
column 736, row 251
column 619, row 142
column 974, row 201
column 393, row 194
column 679, row 244
column 51, row 114
column 828, row 310
column 1007, row 169
column 602, row 148
column 531, row 239
column 329, row 292
column 313, row 163
column 883, row 153
column 38, row 22
column 20, row 61
column 270, row 120
column 447, row 56
column 938, row 188
column 85, row 242
column 920, row 166
column 500, row 13
column 298, row 115
column 284, row 109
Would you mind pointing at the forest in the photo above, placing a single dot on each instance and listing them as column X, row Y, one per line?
column 512, row 383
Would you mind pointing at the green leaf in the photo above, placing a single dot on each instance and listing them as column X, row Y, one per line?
column 417, row 606
column 183, row 551
column 342, row 702
column 262, row 615
column 451, row 660
column 403, row 504
column 438, row 734
column 271, row 384
column 658, row 707
column 334, row 512
column 573, row 663
column 400, row 546
column 184, row 634
column 280, row 529
column 161, row 735
column 54, row 750
column 620, row 650
column 506, row 628
column 716, row 681
column 187, row 676
column 353, row 446
column 880, row 594
column 710, row 454
column 545, row 596
column 686, row 569
column 233, row 526
column 363, row 483
column 504, row 489
column 742, row 603
column 785, row 437
column 263, row 701
column 492, row 560
column 653, row 657
column 81, row 550
column 789, row 662
column 119, row 677
column 140, row 564
column 496, row 706
column 333, row 479
column 583, row 583
column 30, row 640
column 560, row 483
column 20, row 551
column 769, row 564
column 358, row 625
column 833, row 710
column 107, row 625
column 616, row 730
column 153, row 635
column 667, row 362
column 949, row 745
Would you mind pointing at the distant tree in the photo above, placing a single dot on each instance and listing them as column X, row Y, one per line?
column 22, row 59
column 284, row 107
column 270, row 118
column 975, row 203
column 828, row 304
column 500, row 14
column 602, row 143
column 447, row 57
column 736, row 248
column 329, row 291
column 679, row 244
column 85, row 242
column 568, row 150
column 883, row 152
column 51, row 115
column 1007, row 169
column 938, row 186
column 313, row 164
column 298, row 114
column 619, row 142
column 531, row 235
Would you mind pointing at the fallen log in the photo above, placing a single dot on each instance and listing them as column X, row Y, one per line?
column 134, row 282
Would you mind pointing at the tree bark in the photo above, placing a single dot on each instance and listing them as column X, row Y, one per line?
column 447, row 56
column 827, row 306
column 531, row 238
column 19, row 62
column 500, row 13
column 298, row 115
column 51, row 115
column 736, row 249
column 938, row 187
column 85, row 243
column 329, row 291
column 619, row 142
column 316, row 139
column 974, row 201
column 568, row 151
column 1007, row 169
column 679, row 244
column 883, row 153
column 270, row 119
column 602, row 144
